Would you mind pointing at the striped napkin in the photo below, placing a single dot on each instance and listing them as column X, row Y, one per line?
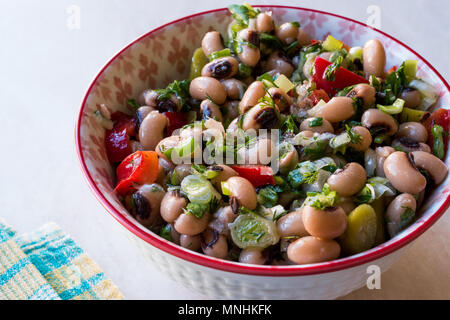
column 46, row 264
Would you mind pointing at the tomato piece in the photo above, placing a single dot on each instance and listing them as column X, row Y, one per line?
column 138, row 168
column 393, row 69
column 318, row 95
column 117, row 145
column 176, row 121
column 440, row 117
column 258, row 175
column 124, row 121
column 344, row 78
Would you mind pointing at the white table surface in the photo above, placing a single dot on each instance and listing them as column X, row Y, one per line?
column 45, row 70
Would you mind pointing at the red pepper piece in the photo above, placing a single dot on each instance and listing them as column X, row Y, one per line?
column 344, row 78
column 258, row 175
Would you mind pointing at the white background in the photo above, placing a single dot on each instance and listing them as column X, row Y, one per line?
column 45, row 69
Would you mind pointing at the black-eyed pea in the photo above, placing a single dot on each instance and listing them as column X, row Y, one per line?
column 147, row 201
column 336, row 110
column 292, row 225
column 381, row 155
column 254, row 92
column 203, row 88
column 249, row 47
column 374, row 57
column 191, row 242
column 209, row 109
column 318, row 125
column 282, row 100
column 235, row 88
column 428, row 162
column 261, row 116
column 214, row 244
column 349, row 180
column 172, row 206
column 400, row 213
column 221, row 218
column 191, row 225
column 402, row 173
column 224, row 172
column 303, row 38
column 327, row 224
column 212, row 42
column 230, row 109
column 264, row 23
column 242, row 193
column 365, row 92
column 151, row 130
column 413, row 130
column 309, row 249
column 287, row 32
column 279, row 63
column 252, row 256
column 374, row 118
column 411, row 97
column 222, row 68
column 409, row 145
column 364, row 139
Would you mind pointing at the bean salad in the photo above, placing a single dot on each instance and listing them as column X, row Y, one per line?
column 279, row 149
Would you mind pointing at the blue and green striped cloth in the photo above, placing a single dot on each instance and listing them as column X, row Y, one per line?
column 48, row 265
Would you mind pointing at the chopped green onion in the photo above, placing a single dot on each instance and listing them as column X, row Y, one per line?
column 198, row 189
column 410, row 69
column 267, row 79
column 340, row 142
column 381, row 138
column 252, row 231
column 438, row 141
column 413, row 115
column 427, row 92
column 220, row 54
column 105, row 123
column 199, row 60
column 355, row 53
column 395, row 108
column 225, row 189
column 186, row 148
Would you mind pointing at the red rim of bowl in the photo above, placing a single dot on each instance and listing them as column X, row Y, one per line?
column 235, row 267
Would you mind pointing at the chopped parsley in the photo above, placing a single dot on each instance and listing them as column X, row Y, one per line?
column 316, row 122
column 407, row 217
column 178, row 88
column 355, row 138
column 166, row 232
column 133, row 104
column 268, row 197
column 243, row 13
column 332, row 69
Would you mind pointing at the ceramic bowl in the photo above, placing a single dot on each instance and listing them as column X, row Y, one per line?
column 162, row 55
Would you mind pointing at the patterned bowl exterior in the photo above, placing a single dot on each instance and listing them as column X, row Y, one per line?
column 162, row 55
